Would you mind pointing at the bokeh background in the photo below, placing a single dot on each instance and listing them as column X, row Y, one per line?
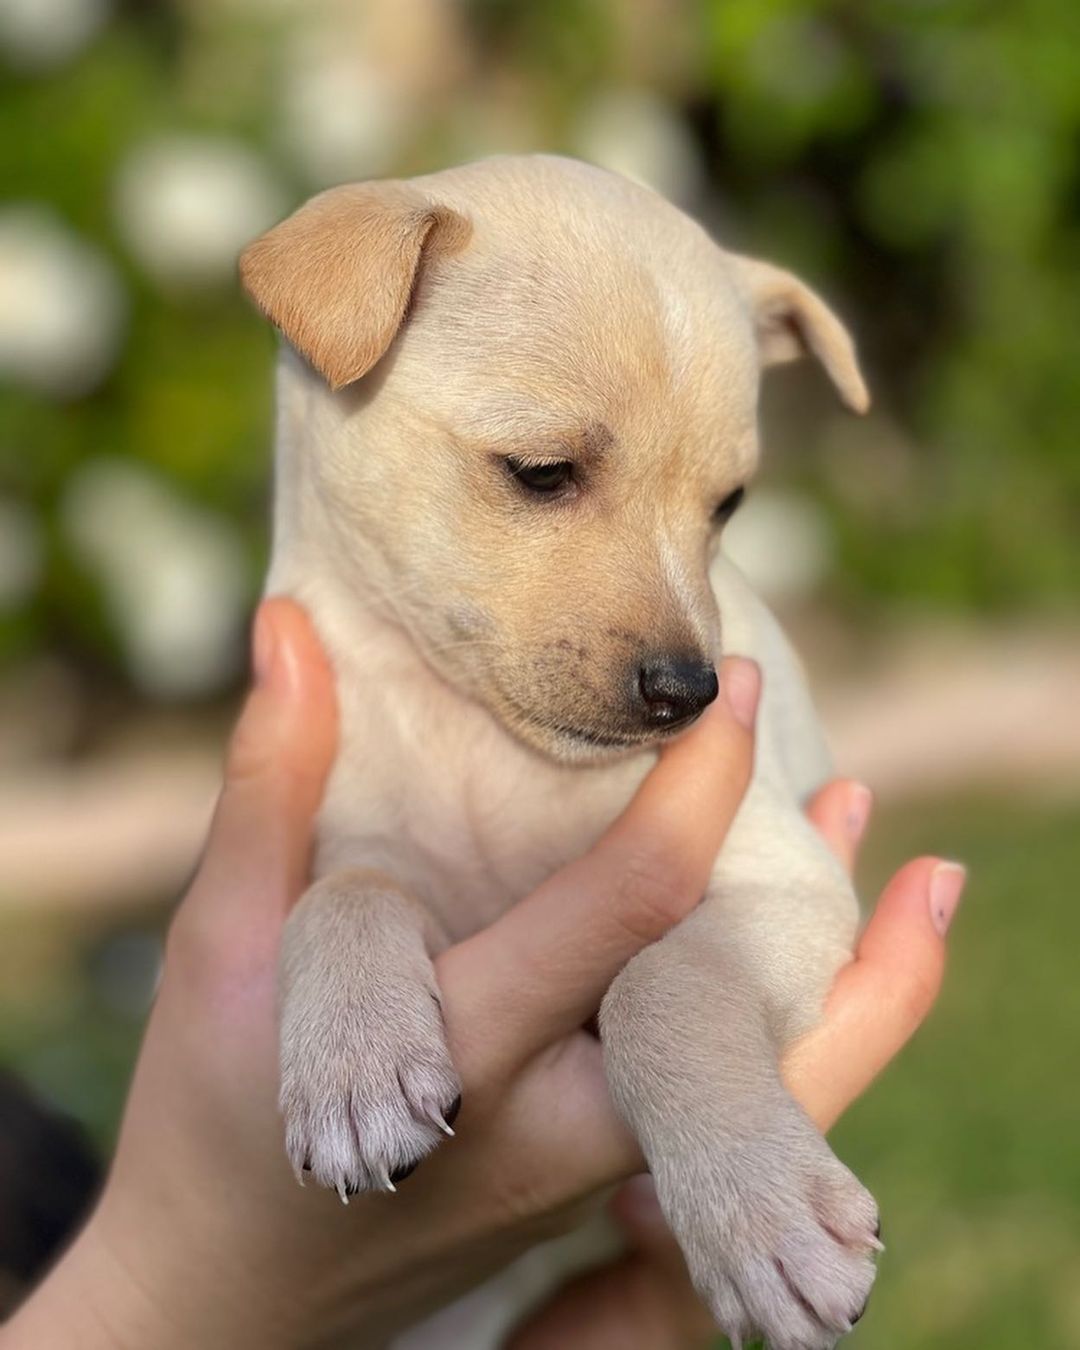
column 917, row 160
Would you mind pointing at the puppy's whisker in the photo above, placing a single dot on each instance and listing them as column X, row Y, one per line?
column 462, row 644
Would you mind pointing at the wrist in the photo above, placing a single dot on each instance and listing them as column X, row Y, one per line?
column 90, row 1300
column 107, row 1295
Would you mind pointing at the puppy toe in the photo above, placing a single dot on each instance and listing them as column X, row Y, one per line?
column 846, row 1209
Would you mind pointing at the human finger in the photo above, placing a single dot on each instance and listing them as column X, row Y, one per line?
column 879, row 1000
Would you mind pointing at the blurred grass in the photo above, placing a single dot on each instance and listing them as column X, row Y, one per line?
column 968, row 1142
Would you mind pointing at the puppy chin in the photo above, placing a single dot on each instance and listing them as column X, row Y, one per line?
column 584, row 747
column 569, row 749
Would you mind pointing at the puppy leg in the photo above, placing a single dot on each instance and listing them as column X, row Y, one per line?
column 367, row 1085
column 776, row 1231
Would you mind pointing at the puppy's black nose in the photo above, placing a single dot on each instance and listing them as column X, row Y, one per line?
column 674, row 689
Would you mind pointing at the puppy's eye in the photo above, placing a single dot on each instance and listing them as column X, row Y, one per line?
column 729, row 506
column 544, row 479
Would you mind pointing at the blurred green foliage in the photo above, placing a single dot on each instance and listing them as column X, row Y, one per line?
column 916, row 159
column 925, row 156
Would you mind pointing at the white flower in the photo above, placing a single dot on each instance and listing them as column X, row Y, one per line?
column 20, row 553
column 635, row 133
column 341, row 118
column 35, row 34
column 186, row 206
column 782, row 544
column 62, row 308
column 173, row 575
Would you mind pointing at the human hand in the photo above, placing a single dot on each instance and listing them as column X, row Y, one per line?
column 202, row 1237
column 644, row 1300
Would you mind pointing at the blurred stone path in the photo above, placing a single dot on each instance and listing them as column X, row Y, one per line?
column 952, row 711
column 934, row 712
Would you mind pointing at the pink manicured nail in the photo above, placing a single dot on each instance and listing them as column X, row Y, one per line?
column 946, row 887
column 860, row 801
column 742, row 688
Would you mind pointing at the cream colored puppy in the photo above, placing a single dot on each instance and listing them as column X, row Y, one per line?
column 517, row 405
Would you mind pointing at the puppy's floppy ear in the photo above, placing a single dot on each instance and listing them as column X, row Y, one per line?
column 793, row 321
column 336, row 277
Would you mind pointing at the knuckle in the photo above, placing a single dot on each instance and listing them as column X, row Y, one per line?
column 215, row 961
column 521, row 1197
column 917, row 994
column 192, row 948
column 248, row 752
column 732, row 770
column 741, row 765
column 528, row 1201
column 649, row 896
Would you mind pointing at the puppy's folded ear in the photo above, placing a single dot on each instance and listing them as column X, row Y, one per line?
column 337, row 276
column 793, row 321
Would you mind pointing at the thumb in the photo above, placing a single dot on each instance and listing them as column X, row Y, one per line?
column 256, row 855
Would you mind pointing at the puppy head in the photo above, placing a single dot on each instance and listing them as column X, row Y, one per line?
column 526, row 407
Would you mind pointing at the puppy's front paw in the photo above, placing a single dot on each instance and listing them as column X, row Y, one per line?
column 366, row 1092
column 777, row 1233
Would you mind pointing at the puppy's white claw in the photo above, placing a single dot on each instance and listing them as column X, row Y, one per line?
column 434, row 1113
column 357, row 1138
column 361, row 1103
column 729, row 1313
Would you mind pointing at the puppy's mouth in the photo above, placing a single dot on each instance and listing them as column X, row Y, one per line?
column 602, row 739
column 607, row 740
column 548, row 728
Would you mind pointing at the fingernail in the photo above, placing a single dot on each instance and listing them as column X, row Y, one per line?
column 946, row 887
column 742, row 688
column 860, row 802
